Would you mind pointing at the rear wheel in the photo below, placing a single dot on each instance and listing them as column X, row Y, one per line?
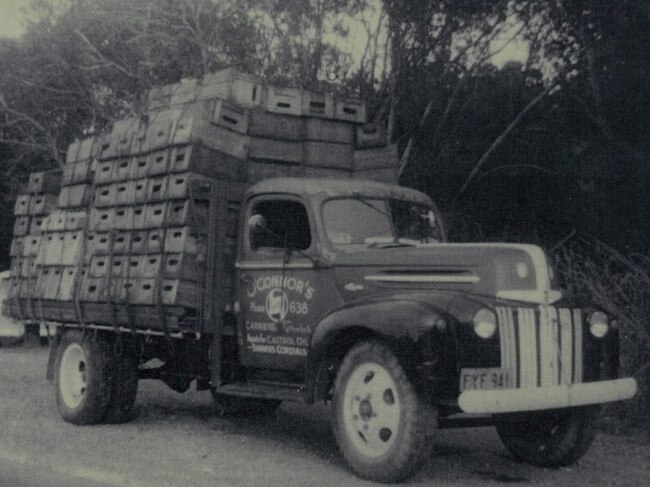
column 83, row 378
column 549, row 438
column 123, row 390
column 382, row 428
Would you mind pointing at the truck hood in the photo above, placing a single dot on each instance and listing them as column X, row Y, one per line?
column 506, row 271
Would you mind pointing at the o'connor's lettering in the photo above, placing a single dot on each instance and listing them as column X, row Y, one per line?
column 289, row 283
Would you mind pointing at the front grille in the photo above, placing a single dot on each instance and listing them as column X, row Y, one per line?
column 541, row 346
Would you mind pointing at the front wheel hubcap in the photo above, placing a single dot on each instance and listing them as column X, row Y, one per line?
column 371, row 409
column 72, row 375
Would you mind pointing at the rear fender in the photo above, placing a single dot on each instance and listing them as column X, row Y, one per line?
column 405, row 323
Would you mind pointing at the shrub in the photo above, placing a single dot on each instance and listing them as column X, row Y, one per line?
column 620, row 285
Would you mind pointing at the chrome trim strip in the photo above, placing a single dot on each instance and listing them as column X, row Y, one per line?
column 273, row 265
column 427, row 278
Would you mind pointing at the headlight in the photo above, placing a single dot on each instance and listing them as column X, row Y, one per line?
column 485, row 323
column 598, row 324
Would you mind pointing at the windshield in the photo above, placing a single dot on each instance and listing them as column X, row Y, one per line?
column 357, row 220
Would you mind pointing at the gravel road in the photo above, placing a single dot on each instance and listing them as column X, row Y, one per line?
column 177, row 441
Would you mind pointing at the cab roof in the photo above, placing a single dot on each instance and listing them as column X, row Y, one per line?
column 326, row 188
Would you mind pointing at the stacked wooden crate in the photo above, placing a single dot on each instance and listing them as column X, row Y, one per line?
column 144, row 210
column 31, row 210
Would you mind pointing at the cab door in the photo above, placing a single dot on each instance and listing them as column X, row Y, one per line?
column 277, row 284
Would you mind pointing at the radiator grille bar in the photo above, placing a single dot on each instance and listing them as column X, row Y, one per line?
column 542, row 346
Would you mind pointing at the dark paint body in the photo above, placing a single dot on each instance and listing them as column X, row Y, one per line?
column 428, row 324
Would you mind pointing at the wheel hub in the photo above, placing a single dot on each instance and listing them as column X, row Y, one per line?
column 72, row 375
column 372, row 409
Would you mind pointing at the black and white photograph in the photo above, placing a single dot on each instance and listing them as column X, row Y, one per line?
column 324, row 243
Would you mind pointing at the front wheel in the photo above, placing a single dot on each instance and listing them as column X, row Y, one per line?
column 382, row 428
column 549, row 438
column 83, row 378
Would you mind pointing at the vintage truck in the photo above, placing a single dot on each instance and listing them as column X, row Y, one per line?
column 347, row 291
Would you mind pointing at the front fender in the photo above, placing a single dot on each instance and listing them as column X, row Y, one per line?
column 408, row 323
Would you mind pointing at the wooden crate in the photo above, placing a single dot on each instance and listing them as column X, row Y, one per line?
column 207, row 162
column 350, row 109
column 73, row 246
column 96, row 244
column 139, row 217
column 22, row 226
column 328, row 154
column 42, row 204
column 377, row 158
column 158, row 162
column 383, row 175
column 48, row 182
column 184, row 92
column 21, row 207
column 182, row 266
column 123, row 169
column 258, row 171
column 370, row 136
column 74, row 196
column 102, row 219
column 143, row 291
column 159, row 135
column 276, row 126
column 151, row 265
column 231, row 116
column 196, row 131
column 181, row 240
column 69, row 277
column 121, row 242
column 92, row 289
column 51, row 249
column 99, row 266
column 32, row 245
column 82, row 172
column 105, row 195
column 186, row 213
column 125, row 193
column 180, row 293
column 36, row 225
column 155, row 214
column 275, row 150
column 155, row 241
column 234, row 85
column 17, row 246
column 317, row 104
column 157, row 187
column 104, row 172
column 321, row 130
column 75, row 220
column 140, row 166
column 139, row 241
column 123, row 218
column 68, row 173
column 287, row 101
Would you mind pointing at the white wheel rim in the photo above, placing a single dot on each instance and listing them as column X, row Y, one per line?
column 371, row 409
column 72, row 375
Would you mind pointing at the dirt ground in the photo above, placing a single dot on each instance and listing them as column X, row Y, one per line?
column 176, row 441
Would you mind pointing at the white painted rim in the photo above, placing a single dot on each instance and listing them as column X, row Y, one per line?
column 72, row 375
column 371, row 409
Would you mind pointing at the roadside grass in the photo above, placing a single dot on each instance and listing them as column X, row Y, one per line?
column 619, row 284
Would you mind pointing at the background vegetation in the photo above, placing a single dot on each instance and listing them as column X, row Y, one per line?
column 553, row 151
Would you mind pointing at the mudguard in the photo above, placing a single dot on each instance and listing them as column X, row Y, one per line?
column 407, row 321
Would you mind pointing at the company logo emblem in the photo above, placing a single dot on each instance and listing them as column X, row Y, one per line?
column 277, row 304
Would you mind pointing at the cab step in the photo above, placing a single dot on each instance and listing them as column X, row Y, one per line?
column 264, row 390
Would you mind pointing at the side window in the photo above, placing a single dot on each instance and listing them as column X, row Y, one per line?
column 287, row 225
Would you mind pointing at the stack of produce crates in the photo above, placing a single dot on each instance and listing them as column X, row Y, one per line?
column 143, row 210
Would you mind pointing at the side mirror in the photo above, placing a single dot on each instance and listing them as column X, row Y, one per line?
column 257, row 223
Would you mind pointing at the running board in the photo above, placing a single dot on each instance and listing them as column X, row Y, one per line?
column 262, row 390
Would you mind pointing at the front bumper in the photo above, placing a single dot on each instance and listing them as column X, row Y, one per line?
column 533, row 399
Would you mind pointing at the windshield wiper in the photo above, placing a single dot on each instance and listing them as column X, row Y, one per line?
column 363, row 200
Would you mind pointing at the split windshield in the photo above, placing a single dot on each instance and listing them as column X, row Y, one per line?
column 358, row 220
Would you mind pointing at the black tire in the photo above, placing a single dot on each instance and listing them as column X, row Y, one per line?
column 121, row 406
column 549, row 438
column 83, row 378
column 226, row 405
column 383, row 430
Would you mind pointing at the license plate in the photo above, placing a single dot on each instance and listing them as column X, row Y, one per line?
column 473, row 379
